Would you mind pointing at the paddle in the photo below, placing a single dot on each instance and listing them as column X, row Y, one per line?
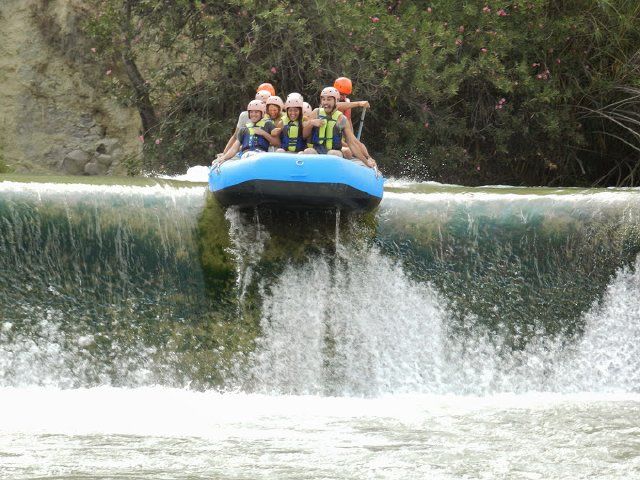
column 364, row 111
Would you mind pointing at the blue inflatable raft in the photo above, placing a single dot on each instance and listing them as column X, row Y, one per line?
column 296, row 181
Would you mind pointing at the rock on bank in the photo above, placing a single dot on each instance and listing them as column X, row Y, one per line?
column 53, row 115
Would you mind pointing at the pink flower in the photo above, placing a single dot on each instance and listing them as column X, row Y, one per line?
column 375, row 19
column 478, row 168
column 93, row 50
column 141, row 138
column 429, row 10
column 398, row 60
column 484, row 50
column 486, row 9
column 502, row 101
column 535, row 65
column 108, row 72
column 158, row 141
column 461, row 28
column 426, row 124
column 558, row 61
column 274, row 70
column 502, row 13
column 458, row 42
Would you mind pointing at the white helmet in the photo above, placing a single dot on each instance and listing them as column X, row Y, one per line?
column 263, row 95
column 257, row 105
column 306, row 109
column 275, row 100
column 294, row 102
column 330, row 92
column 295, row 95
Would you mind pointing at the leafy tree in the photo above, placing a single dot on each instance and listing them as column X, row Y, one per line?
column 525, row 92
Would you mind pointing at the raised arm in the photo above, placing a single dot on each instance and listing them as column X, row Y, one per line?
column 312, row 121
column 276, row 131
column 344, row 106
column 272, row 139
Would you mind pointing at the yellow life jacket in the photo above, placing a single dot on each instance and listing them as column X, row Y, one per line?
column 328, row 136
column 291, row 135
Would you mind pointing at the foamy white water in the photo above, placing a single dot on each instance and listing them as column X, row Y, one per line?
column 357, row 326
column 358, row 374
column 164, row 433
column 197, row 174
column 361, row 326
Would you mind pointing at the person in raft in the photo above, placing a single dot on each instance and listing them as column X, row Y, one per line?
column 275, row 108
column 254, row 137
column 275, row 112
column 306, row 110
column 291, row 126
column 327, row 126
column 263, row 92
column 345, row 87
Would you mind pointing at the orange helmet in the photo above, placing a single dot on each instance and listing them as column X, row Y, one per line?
column 343, row 85
column 268, row 87
column 257, row 105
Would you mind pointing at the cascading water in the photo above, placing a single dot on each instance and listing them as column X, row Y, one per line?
column 354, row 326
column 461, row 333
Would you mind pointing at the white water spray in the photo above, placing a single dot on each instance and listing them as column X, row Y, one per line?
column 360, row 326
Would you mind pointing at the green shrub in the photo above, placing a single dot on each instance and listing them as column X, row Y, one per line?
column 473, row 91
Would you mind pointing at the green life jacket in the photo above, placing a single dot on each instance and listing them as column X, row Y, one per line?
column 328, row 136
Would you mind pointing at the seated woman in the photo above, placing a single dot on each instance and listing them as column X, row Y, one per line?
column 255, row 136
column 263, row 94
column 275, row 107
column 291, row 126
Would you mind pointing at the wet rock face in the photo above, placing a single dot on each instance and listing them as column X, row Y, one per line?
column 54, row 116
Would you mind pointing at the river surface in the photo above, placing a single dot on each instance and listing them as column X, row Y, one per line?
column 458, row 333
